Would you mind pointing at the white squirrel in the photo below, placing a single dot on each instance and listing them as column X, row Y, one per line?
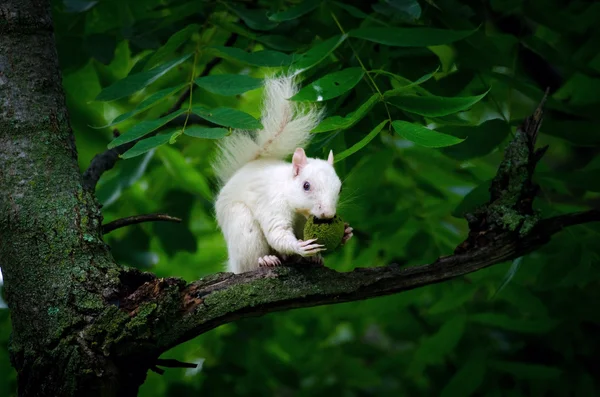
column 264, row 201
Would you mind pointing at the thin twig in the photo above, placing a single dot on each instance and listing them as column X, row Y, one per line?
column 157, row 370
column 133, row 220
column 172, row 363
column 364, row 68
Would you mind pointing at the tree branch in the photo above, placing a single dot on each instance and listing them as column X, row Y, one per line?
column 506, row 228
column 106, row 160
column 205, row 304
column 132, row 220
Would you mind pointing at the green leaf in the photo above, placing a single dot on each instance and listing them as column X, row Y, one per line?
column 264, row 58
column 229, row 84
column 362, row 143
column 577, row 132
column 77, row 6
column 228, row 117
column 410, row 37
column 483, row 139
column 136, row 82
column 453, row 299
column 432, row 349
column 526, row 371
column 407, row 8
column 145, row 145
column 143, row 128
column 176, row 238
column 278, row 42
column 468, row 378
column 533, row 326
column 408, row 83
column 526, row 301
column 295, row 12
column 101, row 46
column 174, row 42
column 342, row 123
column 423, row 136
column 255, row 19
column 434, row 106
column 183, row 172
column 206, row 132
column 585, row 179
column 146, row 104
column 127, row 174
column 475, row 198
column 317, row 53
column 330, row 86
column 357, row 13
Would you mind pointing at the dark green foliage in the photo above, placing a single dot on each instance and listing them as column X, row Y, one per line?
column 450, row 80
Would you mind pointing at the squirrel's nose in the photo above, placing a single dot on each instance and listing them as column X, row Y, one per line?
column 327, row 215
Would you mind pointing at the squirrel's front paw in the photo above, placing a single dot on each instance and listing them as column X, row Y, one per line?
column 308, row 248
column 347, row 233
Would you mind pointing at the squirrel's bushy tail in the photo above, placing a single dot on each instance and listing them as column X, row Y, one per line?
column 286, row 126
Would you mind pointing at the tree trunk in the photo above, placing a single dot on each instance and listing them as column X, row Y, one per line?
column 58, row 273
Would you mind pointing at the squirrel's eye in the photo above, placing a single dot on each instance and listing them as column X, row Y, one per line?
column 306, row 186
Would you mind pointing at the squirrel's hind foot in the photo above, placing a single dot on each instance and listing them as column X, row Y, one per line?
column 274, row 260
column 316, row 260
column 269, row 261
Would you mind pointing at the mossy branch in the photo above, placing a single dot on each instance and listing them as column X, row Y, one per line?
column 183, row 311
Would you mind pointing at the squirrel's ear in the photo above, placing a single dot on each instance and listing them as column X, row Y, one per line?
column 298, row 161
column 330, row 158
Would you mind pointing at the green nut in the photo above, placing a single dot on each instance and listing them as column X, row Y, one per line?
column 328, row 232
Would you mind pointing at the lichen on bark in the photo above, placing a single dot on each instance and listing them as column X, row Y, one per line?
column 512, row 191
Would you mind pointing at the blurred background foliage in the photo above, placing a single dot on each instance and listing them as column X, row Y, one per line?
column 526, row 328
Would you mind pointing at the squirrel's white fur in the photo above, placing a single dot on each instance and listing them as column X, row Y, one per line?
column 286, row 126
column 264, row 201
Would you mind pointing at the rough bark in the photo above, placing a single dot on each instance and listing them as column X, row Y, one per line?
column 58, row 272
column 82, row 325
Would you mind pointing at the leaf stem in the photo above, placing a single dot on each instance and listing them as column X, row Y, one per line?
column 362, row 65
column 192, row 74
column 191, row 86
